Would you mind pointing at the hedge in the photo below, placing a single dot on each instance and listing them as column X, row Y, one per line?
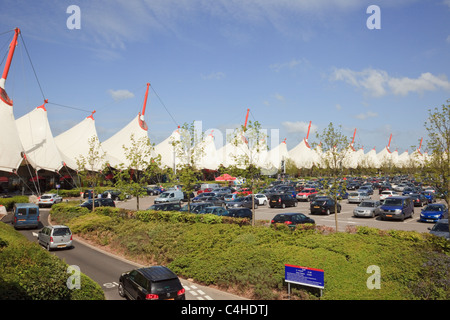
column 29, row 272
column 9, row 202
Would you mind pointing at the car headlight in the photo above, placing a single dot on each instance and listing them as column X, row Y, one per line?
column 398, row 211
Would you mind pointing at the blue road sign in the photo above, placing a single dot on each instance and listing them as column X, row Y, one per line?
column 304, row 276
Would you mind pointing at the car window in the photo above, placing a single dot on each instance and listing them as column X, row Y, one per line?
column 165, row 286
column 61, row 231
column 141, row 280
column 22, row 211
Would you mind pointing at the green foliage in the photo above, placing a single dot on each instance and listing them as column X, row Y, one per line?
column 30, row 273
column 9, row 202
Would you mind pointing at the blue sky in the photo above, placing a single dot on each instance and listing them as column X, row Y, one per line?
column 290, row 62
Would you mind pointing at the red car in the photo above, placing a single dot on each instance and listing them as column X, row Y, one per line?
column 244, row 191
column 204, row 190
column 306, row 194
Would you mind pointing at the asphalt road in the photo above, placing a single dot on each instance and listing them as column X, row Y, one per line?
column 105, row 268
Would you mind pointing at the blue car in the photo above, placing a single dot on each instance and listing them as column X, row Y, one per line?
column 429, row 196
column 434, row 212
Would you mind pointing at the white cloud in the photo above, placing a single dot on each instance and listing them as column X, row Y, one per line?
column 120, row 94
column 278, row 96
column 338, row 107
column 448, row 39
column 277, row 67
column 378, row 82
column 298, row 127
column 213, row 76
column 368, row 114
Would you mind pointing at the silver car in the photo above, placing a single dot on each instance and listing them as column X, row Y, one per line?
column 367, row 208
column 357, row 197
column 48, row 199
column 55, row 237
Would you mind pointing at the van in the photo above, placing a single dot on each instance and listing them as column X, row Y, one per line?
column 397, row 208
column 209, row 186
column 170, row 196
column 26, row 215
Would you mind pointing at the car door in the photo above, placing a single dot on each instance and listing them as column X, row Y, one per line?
column 43, row 236
column 129, row 284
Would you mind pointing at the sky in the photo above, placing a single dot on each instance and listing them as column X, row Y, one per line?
column 289, row 62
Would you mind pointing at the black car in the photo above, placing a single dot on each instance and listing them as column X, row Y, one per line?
column 419, row 199
column 324, row 205
column 113, row 194
column 245, row 202
column 240, row 213
column 169, row 206
column 292, row 219
column 99, row 202
column 213, row 199
column 282, row 200
column 151, row 283
column 196, row 207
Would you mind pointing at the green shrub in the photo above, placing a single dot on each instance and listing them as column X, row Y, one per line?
column 9, row 202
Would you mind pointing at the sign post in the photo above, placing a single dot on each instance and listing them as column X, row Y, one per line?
column 304, row 276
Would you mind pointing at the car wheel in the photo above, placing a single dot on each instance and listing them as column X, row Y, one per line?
column 265, row 202
column 120, row 290
column 295, row 204
column 283, row 205
column 328, row 212
column 48, row 247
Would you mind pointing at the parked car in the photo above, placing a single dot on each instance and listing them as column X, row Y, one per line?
column 261, row 199
column 55, row 237
column 246, row 202
column 48, row 199
column 357, row 197
column 230, row 196
column 282, row 201
column 199, row 197
column 99, row 202
column 419, row 199
column 430, row 196
column 212, row 199
column 387, row 193
column 168, row 206
column 366, row 189
column 240, row 213
column 367, row 208
column 151, row 283
column 26, row 215
column 307, row 194
column 113, row 194
column 196, row 207
column 397, row 208
column 151, row 191
column 218, row 211
column 322, row 205
column 170, row 196
column 440, row 229
column 292, row 219
column 434, row 212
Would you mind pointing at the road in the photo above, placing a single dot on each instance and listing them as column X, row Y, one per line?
column 105, row 268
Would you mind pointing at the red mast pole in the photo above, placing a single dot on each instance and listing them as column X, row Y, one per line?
column 145, row 100
column 12, row 47
column 309, row 128
column 246, row 118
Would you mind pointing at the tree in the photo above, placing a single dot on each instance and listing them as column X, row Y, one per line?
column 139, row 168
column 248, row 143
column 336, row 148
column 437, row 164
column 90, row 166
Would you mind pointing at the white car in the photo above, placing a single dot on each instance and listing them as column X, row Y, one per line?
column 262, row 199
column 48, row 199
column 387, row 193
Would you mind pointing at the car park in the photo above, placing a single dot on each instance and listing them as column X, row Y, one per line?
column 367, row 208
column 434, row 212
column 99, row 202
column 440, row 229
column 357, row 197
column 307, row 194
column 55, row 237
column 291, row 219
column 282, row 201
column 151, row 283
column 397, row 208
column 324, row 205
column 49, row 199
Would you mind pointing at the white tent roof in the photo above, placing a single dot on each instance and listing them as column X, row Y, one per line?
column 208, row 159
column 74, row 142
column 371, row 159
column 167, row 150
column 230, row 154
column 278, row 154
column 303, row 156
column 38, row 143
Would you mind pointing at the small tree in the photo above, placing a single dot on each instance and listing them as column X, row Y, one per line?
column 139, row 168
column 438, row 163
column 90, row 166
column 336, row 150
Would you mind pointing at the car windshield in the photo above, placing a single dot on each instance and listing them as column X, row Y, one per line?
column 353, row 194
column 367, row 204
column 165, row 286
column 393, row 202
column 433, row 208
column 46, row 197
column 319, row 202
column 441, row 227
column 61, row 232
column 237, row 200
column 164, row 195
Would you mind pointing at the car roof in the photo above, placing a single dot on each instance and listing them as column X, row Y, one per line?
column 26, row 205
column 157, row 273
column 287, row 214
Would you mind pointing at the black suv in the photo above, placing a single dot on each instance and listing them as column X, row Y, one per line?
column 282, row 200
column 170, row 206
column 292, row 219
column 324, row 205
column 196, row 207
column 240, row 213
column 151, row 283
column 99, row 202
